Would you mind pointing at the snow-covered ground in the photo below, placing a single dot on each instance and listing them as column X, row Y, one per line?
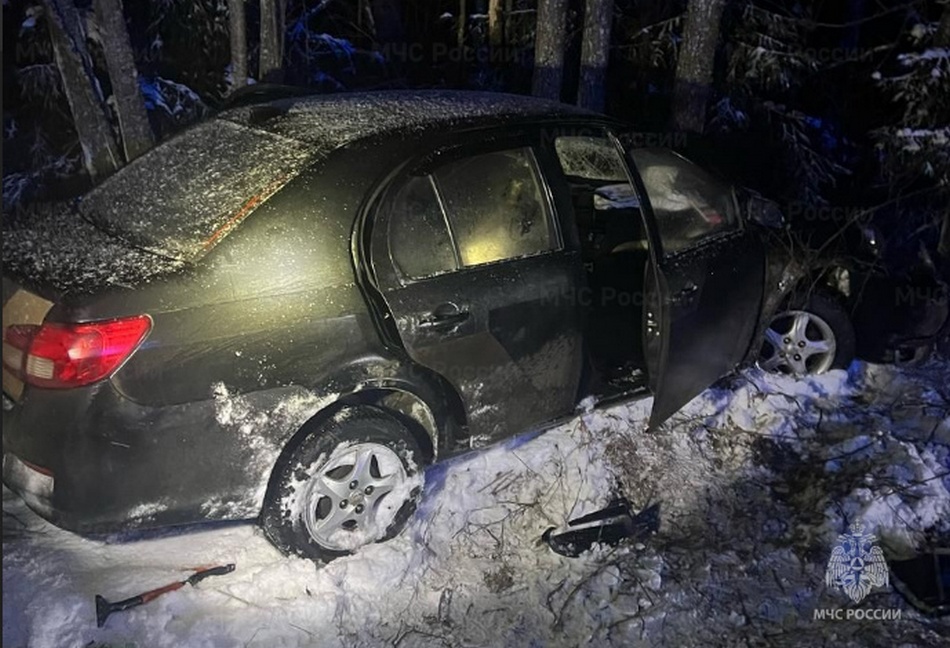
column 755, row 480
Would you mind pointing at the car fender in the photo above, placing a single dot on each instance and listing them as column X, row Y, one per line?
column 782, row 275
column 371, row 379
column 263, row 427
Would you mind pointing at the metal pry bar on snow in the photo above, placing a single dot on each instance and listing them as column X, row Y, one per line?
column 104, row 608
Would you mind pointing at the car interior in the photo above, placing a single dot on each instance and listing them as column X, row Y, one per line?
column 615, row 252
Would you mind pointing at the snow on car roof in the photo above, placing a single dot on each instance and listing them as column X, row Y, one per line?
column 183, row 196
column 332, row 120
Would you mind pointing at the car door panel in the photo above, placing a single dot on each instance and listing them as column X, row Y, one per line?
column 504, row 334
column 710, row 303
column 702, row 304
column 515, row 358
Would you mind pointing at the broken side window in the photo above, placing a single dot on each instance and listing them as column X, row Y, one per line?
column 591, row 158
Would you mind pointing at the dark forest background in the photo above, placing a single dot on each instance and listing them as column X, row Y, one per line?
column 837, row 109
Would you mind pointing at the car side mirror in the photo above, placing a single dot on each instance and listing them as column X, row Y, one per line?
column 765, row 212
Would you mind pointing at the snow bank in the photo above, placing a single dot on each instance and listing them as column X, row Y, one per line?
column 755, row 479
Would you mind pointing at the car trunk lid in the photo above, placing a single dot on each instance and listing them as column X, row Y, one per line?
column 57, row 253
column 53, row 258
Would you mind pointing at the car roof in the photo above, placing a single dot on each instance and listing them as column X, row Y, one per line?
column 329, row 121
column 181, row 197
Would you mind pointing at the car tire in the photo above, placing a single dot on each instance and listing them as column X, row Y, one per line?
column 814, row 333
column 328, row 499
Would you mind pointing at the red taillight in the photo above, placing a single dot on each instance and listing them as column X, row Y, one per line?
column 60, row 356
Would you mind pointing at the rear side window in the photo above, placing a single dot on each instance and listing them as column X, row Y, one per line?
column 477, row 210
column 688, row 203
column 495, row 206
column 419, row 239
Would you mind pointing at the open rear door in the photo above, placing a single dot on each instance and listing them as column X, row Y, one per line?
column 704, row 286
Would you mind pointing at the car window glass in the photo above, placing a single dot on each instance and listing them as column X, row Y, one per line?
column 419, row 240
column 592, row 158
column 495, row 206
column 688, row 203
column 606, row 206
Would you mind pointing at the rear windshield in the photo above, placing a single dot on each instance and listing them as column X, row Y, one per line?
column 182, row 197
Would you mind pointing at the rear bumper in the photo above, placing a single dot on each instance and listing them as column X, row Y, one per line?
column 91, row 461
column 34, row 486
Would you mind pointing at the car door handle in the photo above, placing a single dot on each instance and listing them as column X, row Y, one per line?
column 684, row 292
column 445, row 316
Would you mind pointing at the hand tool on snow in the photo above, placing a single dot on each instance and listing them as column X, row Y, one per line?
column 104, row 608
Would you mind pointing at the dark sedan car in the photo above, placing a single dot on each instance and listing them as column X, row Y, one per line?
column 288, row 310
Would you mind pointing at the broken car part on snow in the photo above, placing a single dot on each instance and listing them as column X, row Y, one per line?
column 105, row 608
column 924, row 581
column 609, row 525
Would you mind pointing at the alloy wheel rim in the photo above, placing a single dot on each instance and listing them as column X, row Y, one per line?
column 798, row 342
column 345, row 499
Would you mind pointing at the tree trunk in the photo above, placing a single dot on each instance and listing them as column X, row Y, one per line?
column 387, row 20
column 851, row 36
column 943, row 245
column 595, row 51
column 549, row 49
column 495, row 34
column 136, row 132
column 100, row 154
column 272, row 38
column 694, row 68
column 281, row 29
column 460, row 25
column 237, row 26
column 942, row 37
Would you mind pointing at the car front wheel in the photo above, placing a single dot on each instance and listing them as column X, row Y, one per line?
column 353, row 481
column 810, row 337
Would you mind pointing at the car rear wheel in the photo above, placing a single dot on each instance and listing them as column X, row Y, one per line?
column 810, row 337
column 351, row 482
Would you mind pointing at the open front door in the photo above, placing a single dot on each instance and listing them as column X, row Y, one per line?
column 704, row 286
